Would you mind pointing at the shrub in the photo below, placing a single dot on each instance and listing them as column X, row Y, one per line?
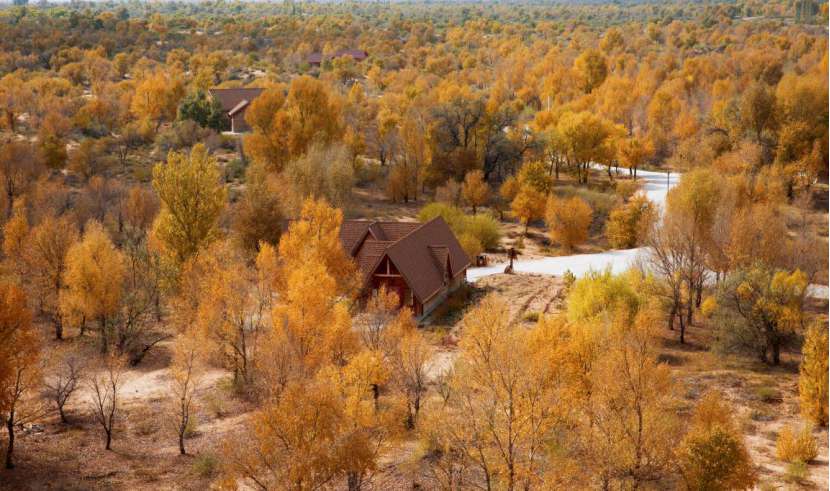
column 485, row 228
column 796, row 471
column 713, row 454
column 625, row 188
column 482, row 227
column 796, row 447
column 234, row 170
column 185, row 134
column 600, row 292
column 628, row 224
column 367, row 171
column 452, row 215
column 568, row 220
column 767, row 394
column 716, row 459
column 205, row 465
column 708, row 306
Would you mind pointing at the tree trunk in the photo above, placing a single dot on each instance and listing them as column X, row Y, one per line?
column 417, row 406
column 691, row 305
column 62, row 414
column 682, row 330
column 181, row 443
column 353, row 480
column 104, row 336
column 672, row 315
column 776, row 353
column 58, row 328
column 109, row 439
column 10, row 448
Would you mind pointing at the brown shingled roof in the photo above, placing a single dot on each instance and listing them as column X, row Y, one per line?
column 352, row 232
column 231, row 98
column 420, row 252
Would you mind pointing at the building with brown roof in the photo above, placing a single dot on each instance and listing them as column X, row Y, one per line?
column 316, row 59
column 234, row 102
column 421, row 262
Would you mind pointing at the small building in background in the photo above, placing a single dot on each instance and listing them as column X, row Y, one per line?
column 234, row 102
column 421, row 262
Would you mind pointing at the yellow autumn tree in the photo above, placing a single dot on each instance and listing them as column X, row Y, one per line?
column 408, row 355
column 568, row 220
column 630, row 427
column 812, row 380
column 761, row 311
column 192, row 197
column 94, row 277
column 46, row 254
column 503, row 401
column 220, row 302
column 285, row 127
column 633, row 152
column 591, row 68
column 267, row 144
column 311, row 321
column 528, row 205
column 299, row 431
column 628, row 224
column 14, row 238
column 19, row 364
column 157, row 97
column 474, row 189
column 314, row 237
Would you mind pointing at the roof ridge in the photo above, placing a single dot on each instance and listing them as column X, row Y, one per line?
column 419, row 227
column 385, row 252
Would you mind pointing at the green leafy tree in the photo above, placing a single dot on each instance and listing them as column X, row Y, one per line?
column 192, row 197
column 203, row 109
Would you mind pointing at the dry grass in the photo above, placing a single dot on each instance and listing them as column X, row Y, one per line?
column 145, row 451
column 765, row 399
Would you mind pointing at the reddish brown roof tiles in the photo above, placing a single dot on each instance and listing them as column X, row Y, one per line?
column 420, row 252
column 231, row 98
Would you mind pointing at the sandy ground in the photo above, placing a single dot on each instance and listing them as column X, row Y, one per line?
column 744, row 383
column 145, row 455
